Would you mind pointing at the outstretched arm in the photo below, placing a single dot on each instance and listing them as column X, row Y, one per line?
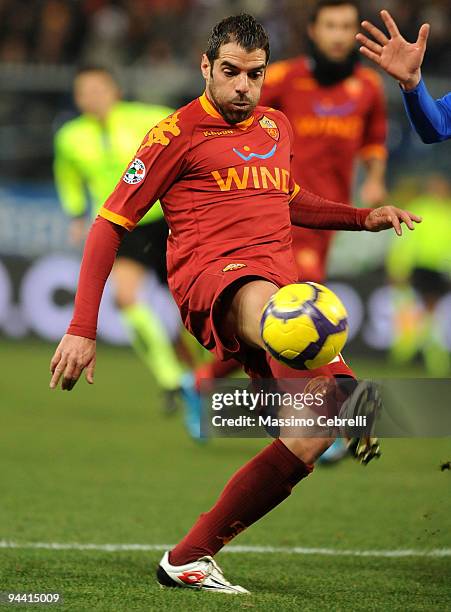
column 402, row 60
column 309, row 210
column 77, row 349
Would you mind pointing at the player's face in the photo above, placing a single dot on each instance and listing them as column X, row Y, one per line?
column 95, row 93
column 235, row 80
column 334, row 31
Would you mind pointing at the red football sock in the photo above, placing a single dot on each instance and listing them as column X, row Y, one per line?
column 255, row 489
column 216, row 369
column 337, row 368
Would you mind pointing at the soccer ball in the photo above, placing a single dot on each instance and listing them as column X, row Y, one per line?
column 304, row 325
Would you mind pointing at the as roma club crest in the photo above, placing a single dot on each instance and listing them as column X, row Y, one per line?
column 270, row 126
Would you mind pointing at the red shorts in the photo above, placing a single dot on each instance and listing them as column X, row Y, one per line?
column 203, row 313
column 311, row 250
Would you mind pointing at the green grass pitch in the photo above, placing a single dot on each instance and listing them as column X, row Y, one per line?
column 103, row 465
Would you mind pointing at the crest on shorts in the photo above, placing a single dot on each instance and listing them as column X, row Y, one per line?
column 135, row 172
column 270, row 126
column 233, row 266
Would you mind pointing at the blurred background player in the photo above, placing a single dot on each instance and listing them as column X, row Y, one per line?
column 403, row 60
column 420, row 271
column 91, row 152
column 337, row 111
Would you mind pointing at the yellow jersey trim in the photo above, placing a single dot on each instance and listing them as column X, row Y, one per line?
column 208, row 106
column 210, row 110
column 294, row 193
column 246, row 123
column 117, row 219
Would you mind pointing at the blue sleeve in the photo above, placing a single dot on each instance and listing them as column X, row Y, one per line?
column 430, row 118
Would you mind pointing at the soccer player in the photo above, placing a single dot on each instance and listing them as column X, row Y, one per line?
column 90, row 154
column 402, row 60
column 221, row 166
column 337, row 110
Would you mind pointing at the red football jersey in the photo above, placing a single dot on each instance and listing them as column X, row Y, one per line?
column 332, row 126
column 224, row 189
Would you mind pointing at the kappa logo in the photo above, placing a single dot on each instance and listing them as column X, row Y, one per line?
column 157, row 134
column 270, row 126
column 135, row 173
column 233, row 266
column 218, row 132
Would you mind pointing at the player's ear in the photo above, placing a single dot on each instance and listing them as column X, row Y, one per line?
column 205, row 66
column 311, row 31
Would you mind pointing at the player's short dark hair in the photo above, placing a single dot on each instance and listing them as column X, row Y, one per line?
column 243, row 29
column 319, row 5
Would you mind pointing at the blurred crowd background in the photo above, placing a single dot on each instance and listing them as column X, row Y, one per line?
column 154, row 47
column 154, row 32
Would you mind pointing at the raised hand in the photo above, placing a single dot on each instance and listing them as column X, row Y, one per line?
column 399, row 58
column 386, row 217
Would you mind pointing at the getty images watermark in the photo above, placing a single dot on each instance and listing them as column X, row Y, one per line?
column 323, row 407
column 291, row 408
column 277, row 409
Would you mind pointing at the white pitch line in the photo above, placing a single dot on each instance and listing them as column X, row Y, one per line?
column 264, row 550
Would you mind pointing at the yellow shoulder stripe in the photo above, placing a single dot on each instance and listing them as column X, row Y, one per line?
column 117, row 219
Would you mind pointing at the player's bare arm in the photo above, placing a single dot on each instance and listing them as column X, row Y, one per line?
column 393, row 53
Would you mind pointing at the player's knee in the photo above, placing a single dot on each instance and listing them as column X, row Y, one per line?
column 247, row 304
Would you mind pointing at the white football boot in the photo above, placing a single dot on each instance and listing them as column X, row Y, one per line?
column 203, row 574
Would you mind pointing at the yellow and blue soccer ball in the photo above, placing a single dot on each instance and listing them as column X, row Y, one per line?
column 304, row 325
